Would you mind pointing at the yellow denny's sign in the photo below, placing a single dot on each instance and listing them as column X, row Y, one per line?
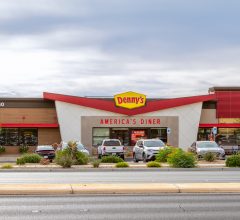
column 130, row 100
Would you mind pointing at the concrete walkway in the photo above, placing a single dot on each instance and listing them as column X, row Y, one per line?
column 9, row 158
column 150, row 188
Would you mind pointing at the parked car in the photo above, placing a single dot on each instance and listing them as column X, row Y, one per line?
column 80, row 147
column 46, row 151
column 202, row 147
column 111, row 147
column 147, row 149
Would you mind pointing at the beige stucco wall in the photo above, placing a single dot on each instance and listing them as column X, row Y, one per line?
column 208, row 116
column 70, row 120
column 88, row 123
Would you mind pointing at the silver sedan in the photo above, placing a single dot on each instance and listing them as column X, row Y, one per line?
column 202, row 147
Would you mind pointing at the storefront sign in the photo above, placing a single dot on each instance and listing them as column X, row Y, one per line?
column 130, row 100
column 130, row 121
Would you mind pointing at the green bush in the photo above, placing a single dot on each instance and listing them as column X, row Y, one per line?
column 7, row 166
column 2, row 149
column 96, row 163
column 31, row 158
column 163, row 154
column 23, row 149
column 20, row 161
column 209, row 156
column 181, row 159
column 233, row 161
column 64, row 158
column 111, row 159
column 81, row 158
column 153, row 164
column 121, row 164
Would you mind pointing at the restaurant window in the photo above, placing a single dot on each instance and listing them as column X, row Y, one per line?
column 228, row 136
column 99, row 134
column 18, row 136
column 28, row 137
column 204, row 134
column 160, row 133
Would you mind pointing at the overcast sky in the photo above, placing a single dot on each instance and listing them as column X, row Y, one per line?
column 162, row 48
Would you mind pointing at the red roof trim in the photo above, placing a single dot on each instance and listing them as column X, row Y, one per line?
column 222, row 125
column 151, row 106
column 24, row 125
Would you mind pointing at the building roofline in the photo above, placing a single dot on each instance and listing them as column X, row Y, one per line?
column 108, row 105
column 223, row 88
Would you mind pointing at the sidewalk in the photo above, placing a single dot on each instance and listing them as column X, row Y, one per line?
column 9, row 158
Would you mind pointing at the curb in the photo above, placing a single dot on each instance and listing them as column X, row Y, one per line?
column 31, row 169
column 150, row 188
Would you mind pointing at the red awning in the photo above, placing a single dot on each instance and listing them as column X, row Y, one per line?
column 221, row 125
column 26, row 125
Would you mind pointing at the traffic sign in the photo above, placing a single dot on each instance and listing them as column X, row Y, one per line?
column 214, row 130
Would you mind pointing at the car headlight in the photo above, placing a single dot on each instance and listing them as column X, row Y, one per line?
column 150, row 151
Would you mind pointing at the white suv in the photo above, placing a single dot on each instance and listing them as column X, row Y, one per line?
column 146, row 149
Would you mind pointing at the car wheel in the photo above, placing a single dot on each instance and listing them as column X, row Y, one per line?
column 99, row 156
column 145, row 158
column 134, row 158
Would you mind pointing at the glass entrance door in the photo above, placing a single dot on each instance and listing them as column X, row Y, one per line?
column 122, row 134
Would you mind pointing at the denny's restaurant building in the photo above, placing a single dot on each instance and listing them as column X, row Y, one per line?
column 128, row 116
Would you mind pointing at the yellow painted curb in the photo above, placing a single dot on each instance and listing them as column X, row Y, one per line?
column 35, row 189
column 209, row 187
column 124, row 188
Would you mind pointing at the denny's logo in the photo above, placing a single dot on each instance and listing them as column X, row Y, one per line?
column 130, row 100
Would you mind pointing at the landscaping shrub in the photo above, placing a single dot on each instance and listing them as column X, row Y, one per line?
column 96, row 163
column 23, row 149
column 233, row 161
column 209, row 156
column 31, row 158
column 20, row 161
column 153, row 164
column 44, row 161
column 64, row 158
column 7, row 166
column 111, row 159
column 163, row 154
column 70, row 155
column 2, row 149
column 121, row 164
column 81, row 158
column 181, row 159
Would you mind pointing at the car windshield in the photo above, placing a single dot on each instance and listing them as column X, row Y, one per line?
column 45, row 148
column 157, row 143
column 207, row 145
column 112, row 143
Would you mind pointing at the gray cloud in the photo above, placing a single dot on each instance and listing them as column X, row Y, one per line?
column 161, row 48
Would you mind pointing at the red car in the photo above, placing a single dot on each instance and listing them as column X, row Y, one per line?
column 46, row 151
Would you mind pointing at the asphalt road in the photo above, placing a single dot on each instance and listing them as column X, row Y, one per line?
column 120, row 177
column 180, row 207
